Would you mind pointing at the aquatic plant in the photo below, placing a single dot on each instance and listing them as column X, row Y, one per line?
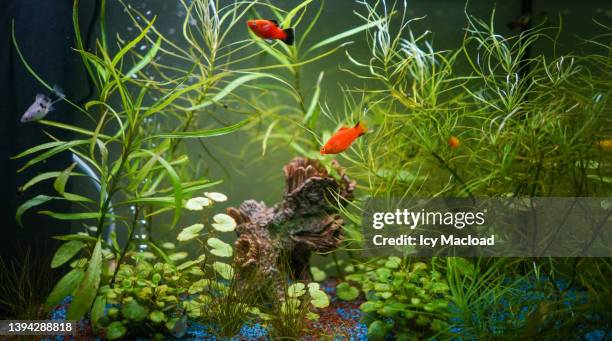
column 405, row 299
column 130, row 140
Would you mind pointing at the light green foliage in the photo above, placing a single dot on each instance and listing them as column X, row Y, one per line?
column 146, row 296
column 402, row 298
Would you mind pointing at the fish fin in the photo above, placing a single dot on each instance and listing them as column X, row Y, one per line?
column 289, row 36
column 343, row 128
column 57, row 90
column 273, row 21
column 40, row 97
column 360, row 128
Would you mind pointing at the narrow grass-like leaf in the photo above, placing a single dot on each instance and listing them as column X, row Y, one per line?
column 343, row 35
column 205, row 132
column 36, row 201
column 145, row 60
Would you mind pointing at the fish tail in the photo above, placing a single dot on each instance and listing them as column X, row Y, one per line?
column 289, row 36
column 361, row 129
column 58, row 92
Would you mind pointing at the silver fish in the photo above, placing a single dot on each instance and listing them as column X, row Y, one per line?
column 42, row 105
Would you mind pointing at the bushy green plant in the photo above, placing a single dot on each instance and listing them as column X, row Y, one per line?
column 405, row 299
column 148, row 299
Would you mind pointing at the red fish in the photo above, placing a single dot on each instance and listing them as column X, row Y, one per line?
column 453, row 142
column 269, row 29
column 343, row 139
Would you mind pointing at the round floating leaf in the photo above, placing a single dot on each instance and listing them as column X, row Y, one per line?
column 318, row 275
column 377, row 330
column 346, row 292
column 313, row 287
column 312, row 316
column 190, row 232
column 219, row 247
column 197, row 203
column 168, row 246
column 115, row 330
column 223, row 223
column 178, row 256
column 216, row 196
column 296, row 290
column 224, row 270
column 319, row 299
column 157, row 316
column 134, row 311
column 393, row 262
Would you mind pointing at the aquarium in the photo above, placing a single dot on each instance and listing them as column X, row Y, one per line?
column 306, row 170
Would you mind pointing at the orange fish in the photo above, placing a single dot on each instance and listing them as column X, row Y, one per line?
column 269, row 29
column 343, row 139
column 453, row 142
column 606, row 144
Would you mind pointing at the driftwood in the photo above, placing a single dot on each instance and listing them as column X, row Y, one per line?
column 305, row 221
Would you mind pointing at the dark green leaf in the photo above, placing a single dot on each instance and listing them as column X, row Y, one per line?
column 36, row 201
column 86, row 292
column 65, row 286
column 66, row 252
column 115, row 330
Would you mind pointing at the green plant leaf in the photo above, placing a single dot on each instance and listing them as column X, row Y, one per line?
column 296, row 290
column 197, row 203
column 97, row 310
column 72, row 216
column 223, row 223
column 318, row 298
column 157, row 316
column 115, row 330
column 203, row 133
column 65, row 286
column 190, row 232
column 346, row 292
column 86, row 292
column 43, row 177
column 65, row 252
column 145, row 60
column 343, row 35
column 216, row 196
column 53, row 151
column 377, row 330
column 62, row 179
column 318, row 275
column 133, row 310
column 36, row 201
column 224, row 270
column 219, row 247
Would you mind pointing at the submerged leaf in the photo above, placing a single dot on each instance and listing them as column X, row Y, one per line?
column 190, row 232
column 225, row 270
column 223, row 223
column 197, row 203
column 296, row 290
column 115, row 330
column 346, row 292
column 219, row 247
column 86, row 292
column 65, row 286
column 216, row 196
column 66, row 252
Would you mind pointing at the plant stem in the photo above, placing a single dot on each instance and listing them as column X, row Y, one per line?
column 127, row 245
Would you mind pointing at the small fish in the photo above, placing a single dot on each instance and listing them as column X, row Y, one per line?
column 343, row 139
column 42, row 105
column 606, row 144
column 269, row 29
column 453, row 142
